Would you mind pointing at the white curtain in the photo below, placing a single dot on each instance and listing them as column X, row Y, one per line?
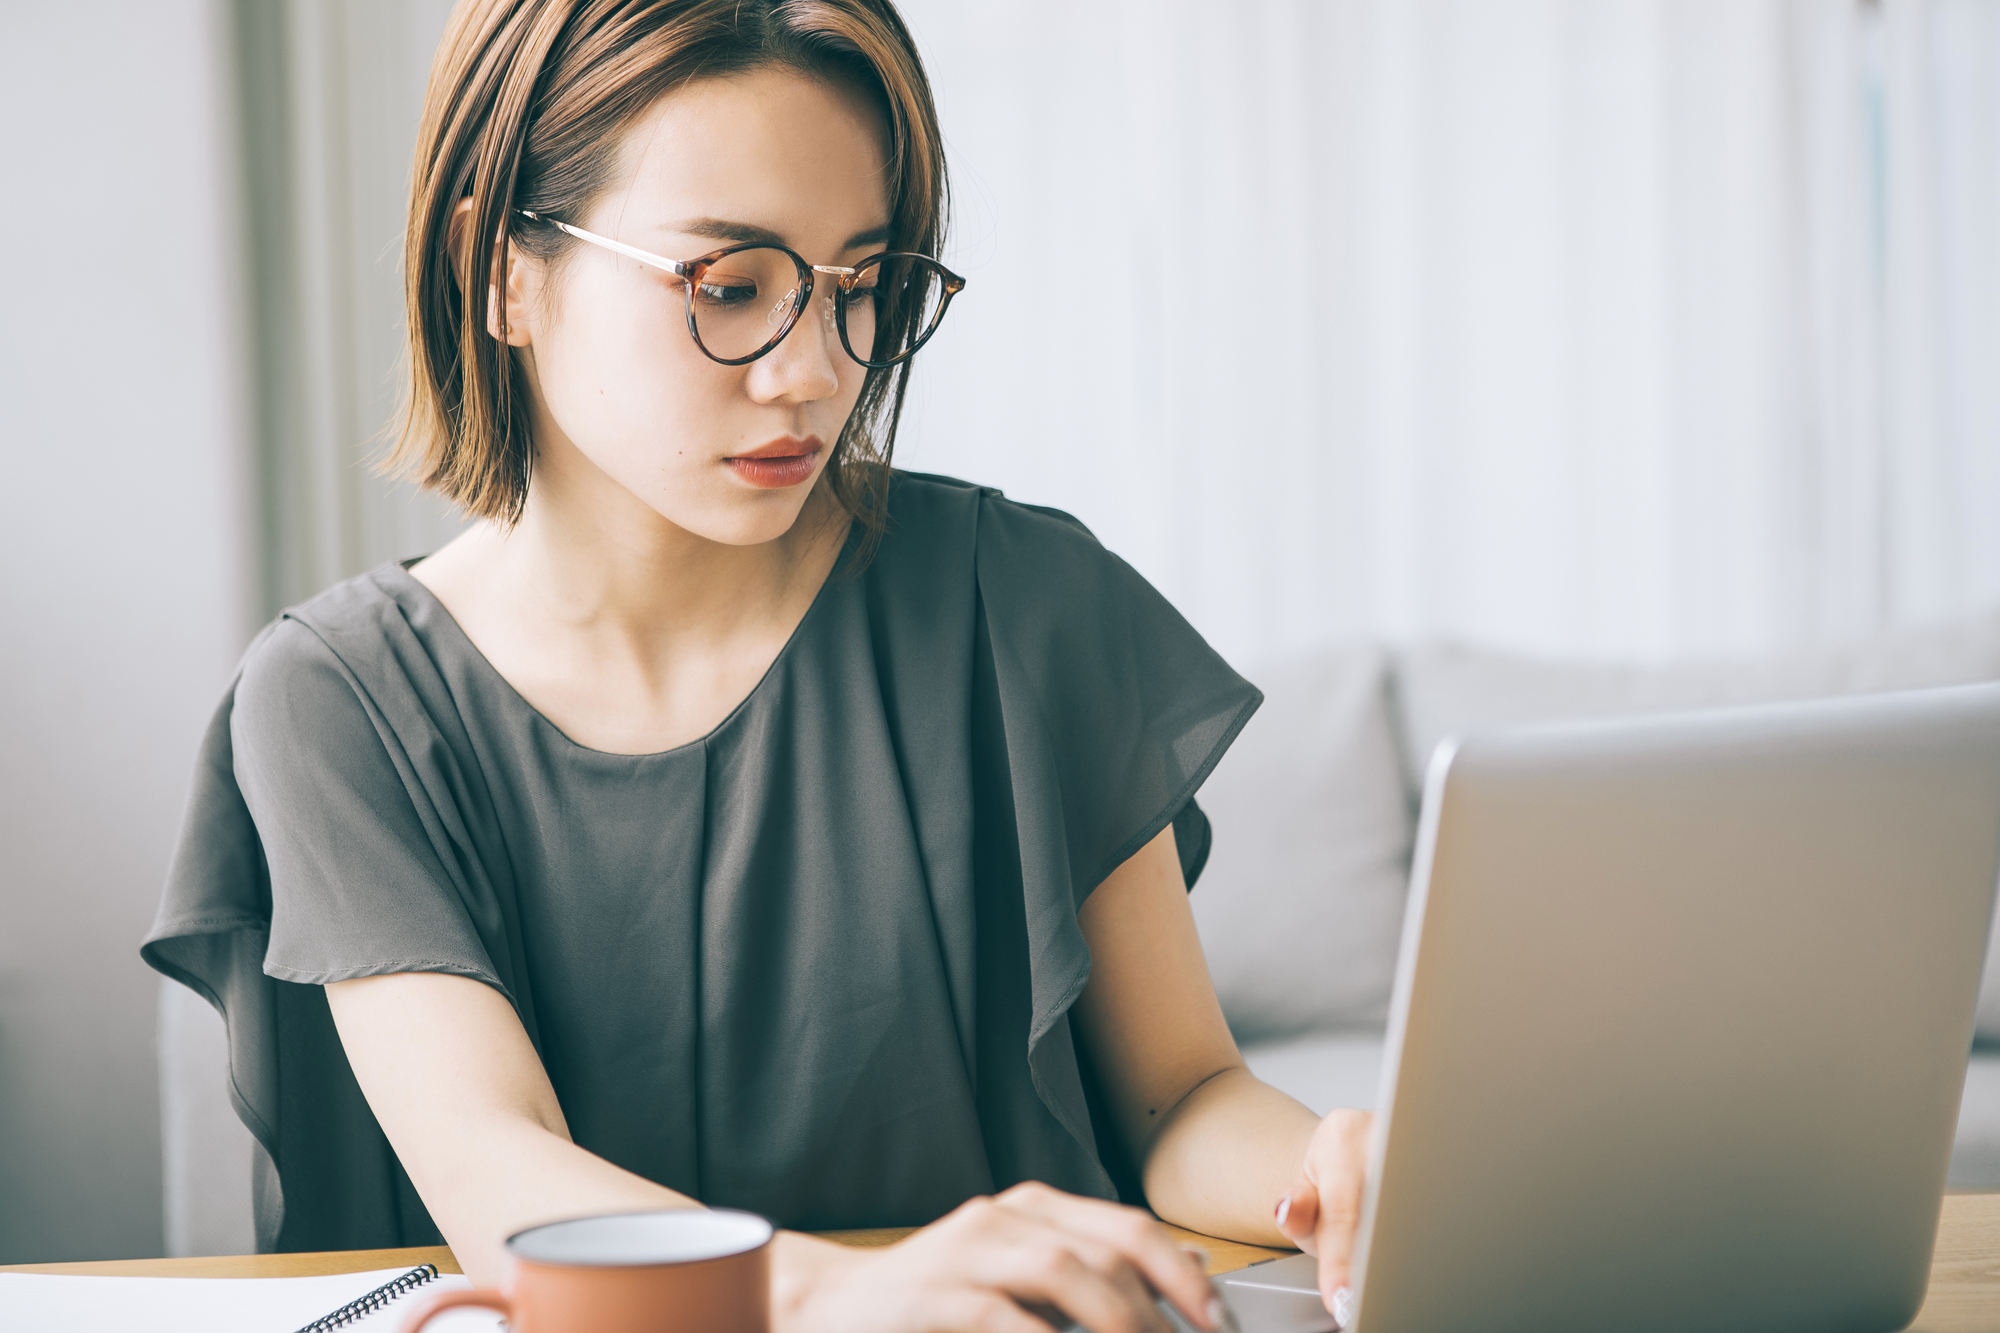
column 329, row 95
column 1643, row 328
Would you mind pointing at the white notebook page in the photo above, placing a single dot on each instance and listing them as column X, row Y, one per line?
column 51, row 1303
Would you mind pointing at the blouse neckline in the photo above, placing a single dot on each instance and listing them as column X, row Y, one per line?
column 408, row 585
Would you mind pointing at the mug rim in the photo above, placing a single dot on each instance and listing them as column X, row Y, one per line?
column 770, row 1231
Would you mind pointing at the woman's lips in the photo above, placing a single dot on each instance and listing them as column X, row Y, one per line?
column 779, row 464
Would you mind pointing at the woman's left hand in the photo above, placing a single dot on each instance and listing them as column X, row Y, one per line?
column 1322, row 1209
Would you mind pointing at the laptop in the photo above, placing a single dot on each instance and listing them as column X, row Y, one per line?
column 1679, row 1026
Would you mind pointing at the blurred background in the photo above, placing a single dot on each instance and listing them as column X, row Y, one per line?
column 1612, row 329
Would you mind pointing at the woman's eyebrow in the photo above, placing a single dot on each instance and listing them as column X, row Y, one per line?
column 746, row 233
column 873, row 236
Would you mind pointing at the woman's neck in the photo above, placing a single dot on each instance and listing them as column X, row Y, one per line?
column 646, row 580
column 630, row 633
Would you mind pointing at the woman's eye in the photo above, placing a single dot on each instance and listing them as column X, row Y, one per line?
column 726, row 295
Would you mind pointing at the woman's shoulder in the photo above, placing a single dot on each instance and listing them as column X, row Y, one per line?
column 928, row 511
column 330, row 642
column 952, row 542
column 1037, row 574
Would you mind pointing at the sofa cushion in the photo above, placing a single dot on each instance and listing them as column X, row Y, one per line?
column 1440, row 689
column 1301, row 904
column 1975, row 1152
column 1443, row 689
column 1329, row 1069
column 1323, row 1069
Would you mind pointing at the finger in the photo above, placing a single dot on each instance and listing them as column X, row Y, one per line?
column 1041, row 1263
column 1113, row 1267
column 1340, row 1167
column 1107, row 1262
column 969, row 1311
column 1297, row 1215
column 1052, row 1274
column 1141, row 1241
column 1138, row 1239
column 1110, row 1265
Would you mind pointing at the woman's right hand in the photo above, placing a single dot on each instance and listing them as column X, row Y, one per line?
column 1022, row 1261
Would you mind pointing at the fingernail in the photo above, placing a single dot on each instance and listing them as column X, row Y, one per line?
column 1198, row 1254
column 1215, row 1313
column 1284, row 1210
column 1343, row 1306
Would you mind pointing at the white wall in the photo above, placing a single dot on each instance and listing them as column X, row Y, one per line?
column 124, row 576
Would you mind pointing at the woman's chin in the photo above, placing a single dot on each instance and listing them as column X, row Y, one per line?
column 750, row 518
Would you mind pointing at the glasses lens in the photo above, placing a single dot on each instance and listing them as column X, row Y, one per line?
column 895, row 303
column 743, row 301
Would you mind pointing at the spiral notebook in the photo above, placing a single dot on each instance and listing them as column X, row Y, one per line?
column 374, row 1302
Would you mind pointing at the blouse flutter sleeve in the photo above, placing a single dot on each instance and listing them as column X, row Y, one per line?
column 1105, row 710
column 314, row 849
column 1118, row 701
column 361, row 859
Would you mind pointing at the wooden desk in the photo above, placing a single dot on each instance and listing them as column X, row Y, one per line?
column 1964, row 1294
column 1224, row 1256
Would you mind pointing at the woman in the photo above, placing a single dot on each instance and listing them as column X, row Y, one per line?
column 726, row 819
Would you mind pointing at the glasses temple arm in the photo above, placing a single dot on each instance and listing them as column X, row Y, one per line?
column 673, row 266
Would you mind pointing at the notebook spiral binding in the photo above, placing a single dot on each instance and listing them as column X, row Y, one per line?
column 373, row 1301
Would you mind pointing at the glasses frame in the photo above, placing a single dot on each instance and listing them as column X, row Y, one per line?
column 691, row 272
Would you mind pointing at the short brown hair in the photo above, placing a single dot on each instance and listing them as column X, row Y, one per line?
column 526, row 103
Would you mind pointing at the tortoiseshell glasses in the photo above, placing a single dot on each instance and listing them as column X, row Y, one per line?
column 744, row 299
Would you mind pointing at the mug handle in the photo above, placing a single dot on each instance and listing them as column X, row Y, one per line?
column 438, row 1302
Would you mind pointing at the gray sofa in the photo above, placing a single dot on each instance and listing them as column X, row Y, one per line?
column 1301, row 905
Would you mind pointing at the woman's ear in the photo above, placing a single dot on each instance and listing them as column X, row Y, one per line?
column 513, row 303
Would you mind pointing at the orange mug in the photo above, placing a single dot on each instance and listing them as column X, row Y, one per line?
column 683, row 1270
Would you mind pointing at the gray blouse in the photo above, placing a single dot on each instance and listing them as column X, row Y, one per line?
column 818, row 964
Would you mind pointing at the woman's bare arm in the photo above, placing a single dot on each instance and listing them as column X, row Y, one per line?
column 471, row 1115
column 1218, row 1148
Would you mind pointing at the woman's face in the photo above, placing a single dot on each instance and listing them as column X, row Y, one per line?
column 627, row 407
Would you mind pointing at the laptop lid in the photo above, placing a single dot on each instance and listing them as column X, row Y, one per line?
column 1681, row 1020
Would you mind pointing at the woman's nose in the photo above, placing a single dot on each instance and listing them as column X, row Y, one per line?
column 801, row 367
